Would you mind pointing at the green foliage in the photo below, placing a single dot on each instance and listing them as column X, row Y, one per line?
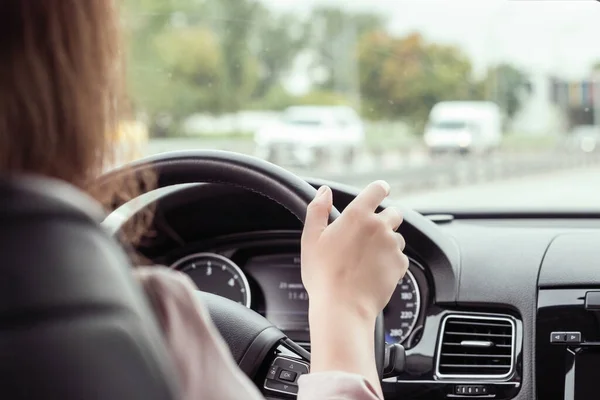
column 406, row 77
column 279, row 39
column 333, row 36
column 278, row 99
column 221, row 56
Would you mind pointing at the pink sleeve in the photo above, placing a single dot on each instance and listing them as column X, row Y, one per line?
column 204, row 365
column 335, row 386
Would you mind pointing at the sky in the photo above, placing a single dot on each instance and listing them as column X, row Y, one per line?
column 540, row 36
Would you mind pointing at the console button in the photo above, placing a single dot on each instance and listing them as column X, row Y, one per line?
column 471, row 390
column 558, row 337
column 288, row 376
column 272, row 374
column 281, row 387
column 573, row 337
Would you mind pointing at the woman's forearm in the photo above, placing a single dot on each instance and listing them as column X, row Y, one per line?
column 342, row 340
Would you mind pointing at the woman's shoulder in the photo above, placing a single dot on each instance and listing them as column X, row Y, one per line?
column 171, row 293
column 201, row 357
column 163, row 276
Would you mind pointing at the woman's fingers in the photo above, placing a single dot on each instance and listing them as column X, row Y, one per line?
column 392, row 217
column 401, row 241
column 371, row 197
column 317, row 214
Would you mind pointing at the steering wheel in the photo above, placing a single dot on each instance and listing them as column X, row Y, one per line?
column 261, row 350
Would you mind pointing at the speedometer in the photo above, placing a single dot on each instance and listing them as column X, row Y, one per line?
column 216, row 274
column 402, row 312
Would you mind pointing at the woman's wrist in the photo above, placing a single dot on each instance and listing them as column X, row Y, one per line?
column 343, row 339
column 331, row 305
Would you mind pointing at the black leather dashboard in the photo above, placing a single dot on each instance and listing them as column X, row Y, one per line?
column 486, row 266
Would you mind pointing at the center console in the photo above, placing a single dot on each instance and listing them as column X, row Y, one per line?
column 568, row 344
column 568, row 320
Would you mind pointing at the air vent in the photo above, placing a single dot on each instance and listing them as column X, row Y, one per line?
column 478, row 347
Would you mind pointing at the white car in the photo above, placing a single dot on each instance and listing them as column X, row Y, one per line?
column 310, row 135
column 466, row 127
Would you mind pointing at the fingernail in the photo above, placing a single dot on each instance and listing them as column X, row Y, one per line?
column 386, row 186
column 321, row 191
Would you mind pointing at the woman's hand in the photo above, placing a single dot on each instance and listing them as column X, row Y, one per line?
column 356, row 261
column 350, row 270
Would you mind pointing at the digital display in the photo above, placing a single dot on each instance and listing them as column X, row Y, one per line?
column 587, row 365
column 286, row 300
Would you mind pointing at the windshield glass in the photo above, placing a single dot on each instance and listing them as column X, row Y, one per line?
column 449, row 125
column 370, row 74
column 303, row 116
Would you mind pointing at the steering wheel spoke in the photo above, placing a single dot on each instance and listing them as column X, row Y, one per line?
column 288, row 364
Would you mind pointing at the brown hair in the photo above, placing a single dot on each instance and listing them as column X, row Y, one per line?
column 62, row 92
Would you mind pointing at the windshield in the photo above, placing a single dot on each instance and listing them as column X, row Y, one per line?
column 304, row 117
column 449, row 125
column 224, row 74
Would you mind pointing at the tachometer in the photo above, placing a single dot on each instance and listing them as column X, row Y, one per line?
column 216, row 274
column 402, row 312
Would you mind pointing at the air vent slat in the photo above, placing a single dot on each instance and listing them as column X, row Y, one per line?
column 477, row 355
column 474, row 346
column 458, row 344
column 471, row 366
column 500, row 335
column 474, row 323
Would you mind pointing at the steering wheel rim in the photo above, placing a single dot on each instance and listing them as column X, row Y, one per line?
column 261, row 177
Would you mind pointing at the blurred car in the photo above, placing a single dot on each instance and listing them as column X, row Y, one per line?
column 584, row 138
column 465, row 127
column 309, row 135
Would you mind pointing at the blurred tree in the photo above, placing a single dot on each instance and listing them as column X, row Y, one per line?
column 322, row 98
column 194, row 76
column 507, row 86
column 402, row 78
column 333, row 37
column 189, row 56
column 279, row 40
column 234, row 24
column 172, row 63
column 278, row 99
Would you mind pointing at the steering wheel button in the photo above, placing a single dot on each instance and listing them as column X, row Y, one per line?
column 288, row 376
column 281, row 387
column 272, row 374
column 291, row 365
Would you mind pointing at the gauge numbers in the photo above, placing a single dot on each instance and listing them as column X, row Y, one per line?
column 402, row 312
column 216, row 274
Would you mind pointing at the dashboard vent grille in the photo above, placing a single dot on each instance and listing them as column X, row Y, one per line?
column 473, row 346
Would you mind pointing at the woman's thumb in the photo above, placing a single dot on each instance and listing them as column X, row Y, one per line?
column 317, row 214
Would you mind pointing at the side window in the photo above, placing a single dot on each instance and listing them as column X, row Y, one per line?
column 342, row 122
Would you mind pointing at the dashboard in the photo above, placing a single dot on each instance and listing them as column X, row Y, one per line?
column 495, row 305
column 262, row 272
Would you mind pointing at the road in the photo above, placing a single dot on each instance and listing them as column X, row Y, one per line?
column 577, row 188
column 551, row 181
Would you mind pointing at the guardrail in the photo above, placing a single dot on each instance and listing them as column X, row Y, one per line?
column 457, row 171
column 428, row 174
